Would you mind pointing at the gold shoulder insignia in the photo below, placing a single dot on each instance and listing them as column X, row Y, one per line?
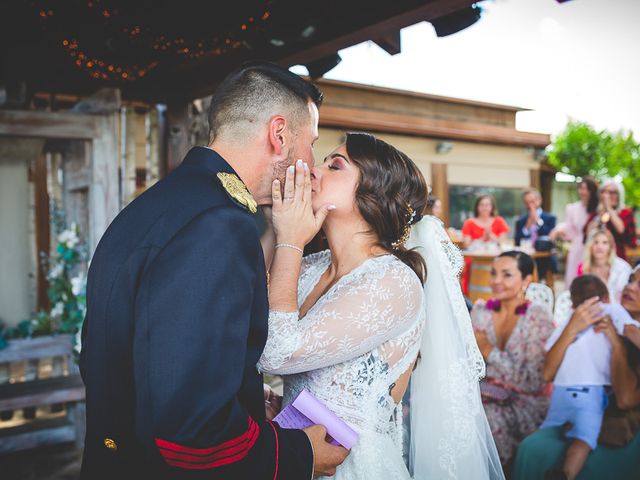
column 237, row 190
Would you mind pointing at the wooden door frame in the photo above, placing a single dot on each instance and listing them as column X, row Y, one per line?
column 100, row 133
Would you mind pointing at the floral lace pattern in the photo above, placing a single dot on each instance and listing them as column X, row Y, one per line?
column 353, row 344
column 460, row 368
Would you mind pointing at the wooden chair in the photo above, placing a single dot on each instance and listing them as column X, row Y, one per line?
column 41, row 394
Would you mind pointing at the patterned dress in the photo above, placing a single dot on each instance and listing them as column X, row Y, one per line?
column 519, row 367
column 348, row 351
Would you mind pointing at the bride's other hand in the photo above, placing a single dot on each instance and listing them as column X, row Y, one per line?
column 294, row 221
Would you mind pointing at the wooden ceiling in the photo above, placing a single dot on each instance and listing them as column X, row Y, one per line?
column 172, row 51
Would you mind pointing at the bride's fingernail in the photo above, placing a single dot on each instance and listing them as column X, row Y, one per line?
column 299, row 163
column 331, row 207
column 306, row 167
column 291, row 169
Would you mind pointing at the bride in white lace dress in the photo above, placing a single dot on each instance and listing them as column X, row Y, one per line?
column 356, row 327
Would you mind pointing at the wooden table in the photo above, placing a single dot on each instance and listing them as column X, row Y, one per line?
column 480, row 274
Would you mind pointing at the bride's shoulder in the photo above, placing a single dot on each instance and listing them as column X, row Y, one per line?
column 399, row 273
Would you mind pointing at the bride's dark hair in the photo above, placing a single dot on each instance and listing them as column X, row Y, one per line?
column 389, row 183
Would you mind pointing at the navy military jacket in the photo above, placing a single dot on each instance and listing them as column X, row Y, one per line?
column 176, row 322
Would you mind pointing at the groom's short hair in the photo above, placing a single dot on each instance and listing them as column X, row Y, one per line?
column 250, row 95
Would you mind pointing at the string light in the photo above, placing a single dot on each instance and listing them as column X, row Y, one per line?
column 140, row 36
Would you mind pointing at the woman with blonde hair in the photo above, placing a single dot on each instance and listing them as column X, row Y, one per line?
column 600, row 259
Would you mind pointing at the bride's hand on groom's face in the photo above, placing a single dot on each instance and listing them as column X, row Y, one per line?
column 294, row 220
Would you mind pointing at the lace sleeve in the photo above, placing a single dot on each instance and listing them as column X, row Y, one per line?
column 357, row 315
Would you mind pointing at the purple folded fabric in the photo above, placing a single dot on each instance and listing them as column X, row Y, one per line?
column 307, row 410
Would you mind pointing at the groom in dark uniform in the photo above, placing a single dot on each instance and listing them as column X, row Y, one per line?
column 177, row 305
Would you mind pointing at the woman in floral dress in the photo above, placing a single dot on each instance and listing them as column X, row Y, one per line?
column 511, row 333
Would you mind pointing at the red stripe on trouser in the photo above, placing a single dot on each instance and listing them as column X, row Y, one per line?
column 275, row 473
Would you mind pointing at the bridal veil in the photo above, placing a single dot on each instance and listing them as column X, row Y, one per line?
column 449, row 435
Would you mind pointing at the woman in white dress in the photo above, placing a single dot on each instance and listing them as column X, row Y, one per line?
column 348, row 324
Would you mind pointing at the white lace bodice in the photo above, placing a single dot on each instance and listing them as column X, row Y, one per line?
column 354, row 343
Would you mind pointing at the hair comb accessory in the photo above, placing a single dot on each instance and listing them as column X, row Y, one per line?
column 411, row 214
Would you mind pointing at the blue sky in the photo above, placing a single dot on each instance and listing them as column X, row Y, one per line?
column 579, row 59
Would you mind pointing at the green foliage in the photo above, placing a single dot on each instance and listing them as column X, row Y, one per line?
column 581, row 150
column 66, row 292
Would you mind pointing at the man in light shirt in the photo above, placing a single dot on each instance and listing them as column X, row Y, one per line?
column 579, row 361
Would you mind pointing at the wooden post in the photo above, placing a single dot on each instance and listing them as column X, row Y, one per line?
column 547, row 177
column 535, row 179
column 128, row 173
column 440, row 188
column 43, row 229
column 154, row 136
column 103, row 194
column 178, row 121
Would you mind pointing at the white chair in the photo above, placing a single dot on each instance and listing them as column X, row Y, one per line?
column 540, row 294
column 563, row 308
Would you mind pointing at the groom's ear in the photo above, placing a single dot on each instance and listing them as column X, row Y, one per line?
column 277, row 133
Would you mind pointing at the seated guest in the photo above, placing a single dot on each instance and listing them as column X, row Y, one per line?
column 618, row 452
column 485, row 227
column 511, row 334
column 578, row 362
column 600, row 259
column 534, row 225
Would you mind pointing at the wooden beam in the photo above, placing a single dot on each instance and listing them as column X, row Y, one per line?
column 43, row 228
column 360, row 118
column 429, row 11
column 418, row 95
column 390, row 43
column 50, row 125
column 440, row 188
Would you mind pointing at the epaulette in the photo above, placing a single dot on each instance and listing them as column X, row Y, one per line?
column 238, row 191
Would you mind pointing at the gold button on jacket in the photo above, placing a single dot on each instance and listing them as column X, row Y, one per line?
column 110, row 444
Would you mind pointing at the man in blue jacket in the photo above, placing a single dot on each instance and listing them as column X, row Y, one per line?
column 177, row 305
column 534, row 225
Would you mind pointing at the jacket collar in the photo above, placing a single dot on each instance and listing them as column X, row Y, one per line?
column 209, row 159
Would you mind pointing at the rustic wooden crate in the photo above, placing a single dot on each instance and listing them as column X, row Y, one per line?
column 41, row 394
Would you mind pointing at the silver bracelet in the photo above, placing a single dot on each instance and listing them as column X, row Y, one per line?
column 288, row 245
